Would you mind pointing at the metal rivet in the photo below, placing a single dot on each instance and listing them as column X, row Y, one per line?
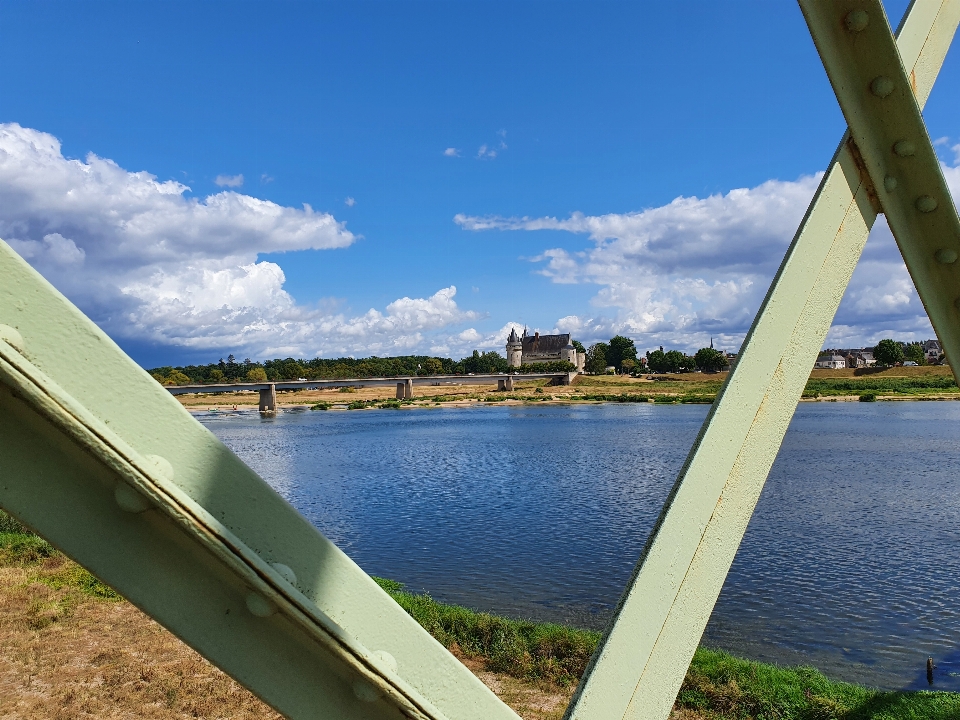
column 161, row 465
column 946, row 256
column 12, row 337
column 881, row 86
column 926, row 204
column 128, row 499
column 258, row 605
column 286, row 572
column 856, row 20
column 890, row 183
column 904, row 148
column 387, row 659
column 365, row 691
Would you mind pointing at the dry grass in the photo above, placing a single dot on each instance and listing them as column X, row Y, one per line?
column 67, row 656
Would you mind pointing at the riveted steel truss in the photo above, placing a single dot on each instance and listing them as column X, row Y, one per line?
column 110, row 468
column 638, row 670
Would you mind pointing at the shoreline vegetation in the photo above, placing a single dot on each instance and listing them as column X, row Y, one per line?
column 72, row 647
column 932, row 382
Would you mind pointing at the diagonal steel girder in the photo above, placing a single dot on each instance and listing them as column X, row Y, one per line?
column 638, row 669
column 876, row 95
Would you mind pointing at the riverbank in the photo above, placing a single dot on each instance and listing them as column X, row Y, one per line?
column 71, row 647
column 867, row 384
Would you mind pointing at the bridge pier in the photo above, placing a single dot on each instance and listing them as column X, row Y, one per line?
column 508, row 384
column 401, row 390
column 408, row 389
column 268, row 399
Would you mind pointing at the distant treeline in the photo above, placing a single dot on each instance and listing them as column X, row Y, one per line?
column 232, row 370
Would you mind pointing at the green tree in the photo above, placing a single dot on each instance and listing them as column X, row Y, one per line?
column 217, row 376
column 675, row 361
column 484, row 363
column 657, row 361
column 290, row 369
column 710, row 360
column 888, row 352
column 628, row 366
column 621, row 348
column 178, row 378
column 433, row 366
column 579, row 346
column 596, row 359
column 257, row 375
column 914, row 351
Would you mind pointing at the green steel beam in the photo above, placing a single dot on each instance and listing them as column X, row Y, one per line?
column 110, row 468
column 638, row 669
column 876, row 95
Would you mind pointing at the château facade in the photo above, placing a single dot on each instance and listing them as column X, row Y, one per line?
column 531, row 349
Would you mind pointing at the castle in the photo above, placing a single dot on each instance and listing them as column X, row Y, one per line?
column 537, row 348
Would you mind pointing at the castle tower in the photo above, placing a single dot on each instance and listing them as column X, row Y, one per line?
column 514, row 349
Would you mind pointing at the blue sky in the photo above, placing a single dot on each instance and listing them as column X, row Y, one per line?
column 466, row 166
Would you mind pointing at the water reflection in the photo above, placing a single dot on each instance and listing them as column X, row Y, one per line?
column 849, row 564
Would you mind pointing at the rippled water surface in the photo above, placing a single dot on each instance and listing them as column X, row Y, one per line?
column 851, row 562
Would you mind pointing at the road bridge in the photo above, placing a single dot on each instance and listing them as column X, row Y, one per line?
column 268, row 390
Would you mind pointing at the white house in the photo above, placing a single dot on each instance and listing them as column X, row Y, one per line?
column 831, row 362
column 932, row 350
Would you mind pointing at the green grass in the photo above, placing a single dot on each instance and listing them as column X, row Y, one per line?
column 728, row 688
column 20, row 547
column 826, row 387
column 718, row 685
column 527, row 650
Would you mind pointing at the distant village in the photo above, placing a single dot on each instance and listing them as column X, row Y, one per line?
column 928, row 352
column 532, row 352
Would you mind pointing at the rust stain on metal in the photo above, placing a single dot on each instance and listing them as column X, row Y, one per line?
column 865, row 176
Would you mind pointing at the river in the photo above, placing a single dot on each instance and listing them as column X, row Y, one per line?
column 851, row 562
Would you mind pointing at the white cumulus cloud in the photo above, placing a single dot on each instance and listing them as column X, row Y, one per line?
column 697, row 268
column 148, row 262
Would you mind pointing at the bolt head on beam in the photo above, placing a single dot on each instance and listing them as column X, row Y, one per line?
column 946, row 256
column 904, row 148
column 856, row 20
column 926, row 204
column 881, row 86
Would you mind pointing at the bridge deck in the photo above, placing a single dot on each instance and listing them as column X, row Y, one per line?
column 491, row 379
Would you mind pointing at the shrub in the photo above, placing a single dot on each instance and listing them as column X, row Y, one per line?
column 9, row 524
column 257, row 375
